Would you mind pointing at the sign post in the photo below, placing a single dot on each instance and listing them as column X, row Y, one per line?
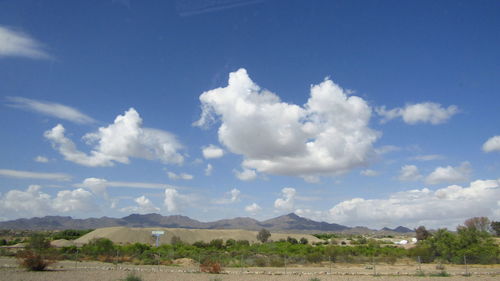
column 157, row 234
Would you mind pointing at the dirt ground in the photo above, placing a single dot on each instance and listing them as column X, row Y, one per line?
column 89, row 271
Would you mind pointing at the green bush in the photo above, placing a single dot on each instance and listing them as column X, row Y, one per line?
column 70, row 234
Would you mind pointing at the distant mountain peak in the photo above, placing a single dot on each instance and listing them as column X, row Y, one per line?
column 288, row 222
column 399, row 229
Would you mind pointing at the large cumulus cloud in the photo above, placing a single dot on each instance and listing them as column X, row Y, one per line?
column 328, row 135
column 119, row 141
column 447, row 206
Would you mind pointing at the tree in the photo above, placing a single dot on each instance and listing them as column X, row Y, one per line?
column 175, row 240
column 478, row 223
column 422, row 233
column 495, row 226
column 263, row 235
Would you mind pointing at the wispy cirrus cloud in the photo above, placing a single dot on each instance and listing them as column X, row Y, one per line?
column 15, row 43
column 52, row 109
column 34, row 175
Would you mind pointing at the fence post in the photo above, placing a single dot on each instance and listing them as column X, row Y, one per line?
column 465, row 262
column 419, row 264
column 285, row 264
column 159, row 258
column 241, row 263
column 330, row 259
column 374, row 270
column 76, row 259
column 116, row 260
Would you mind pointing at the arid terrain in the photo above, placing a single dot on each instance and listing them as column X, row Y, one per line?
column 124, row 235
column 85, row 271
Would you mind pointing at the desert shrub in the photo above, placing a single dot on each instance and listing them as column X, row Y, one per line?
column 315, row 279
column 276, row 261
column 200, row 244
column 291, row 240
column 303, row 241
column 217, row 243
column 230, row 242
column 314, row 257
column 260, row 261
column 132, row 277
column 243, row 243
column 441, row 273
column 33, row 261
column 99, row 247
column 35, row 257
column 211, row 267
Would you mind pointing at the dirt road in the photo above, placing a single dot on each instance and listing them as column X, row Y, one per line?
column 90, row 271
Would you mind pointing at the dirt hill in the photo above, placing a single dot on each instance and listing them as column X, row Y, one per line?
column 124, row 235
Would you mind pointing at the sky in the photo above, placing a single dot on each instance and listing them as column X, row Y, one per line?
column 362, row 113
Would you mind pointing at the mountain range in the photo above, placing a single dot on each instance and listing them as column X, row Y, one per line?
column 285, row 223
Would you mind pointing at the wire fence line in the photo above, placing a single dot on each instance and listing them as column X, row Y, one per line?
column 276, row 264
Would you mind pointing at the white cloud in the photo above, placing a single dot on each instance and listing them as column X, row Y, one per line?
column 51, row 109
column 41, row 159
column 492, row 144
column 34, row 175
column 409, row 173
column 99, row 186
column 287, row 202
column 329, row 135
column 209, row 169
column 78, row 200
column 246, row 174
column 450, row 174
column 369, row 173
column 311, row 214
column 232, row 196
column 448, row 207
column 33, row 202
column 181, row 176
column 118, row 142
column 171, row 199
column 429, row 157
column 18, row 44
column 253, row 208
column 235, row 195
column 144, row 206
column 212, row 151
column 427, row 112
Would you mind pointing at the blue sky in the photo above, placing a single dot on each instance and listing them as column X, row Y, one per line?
column 379, row 113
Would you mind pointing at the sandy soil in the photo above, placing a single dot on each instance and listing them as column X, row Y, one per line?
column 125, row 235
column 89, row 271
